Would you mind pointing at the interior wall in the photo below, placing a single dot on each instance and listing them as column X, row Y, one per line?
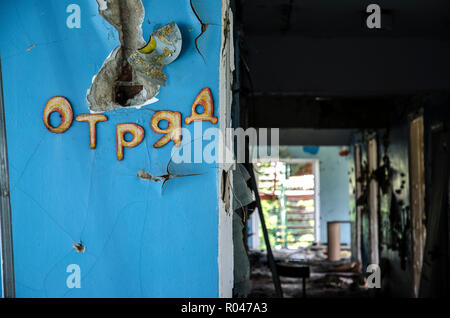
column 435, row 272
column 395, row 228
column 334, row 185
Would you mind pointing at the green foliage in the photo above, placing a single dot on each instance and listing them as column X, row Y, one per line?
column 270, row 211
column 271, row 176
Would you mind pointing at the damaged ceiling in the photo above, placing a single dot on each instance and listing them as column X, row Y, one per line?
column 324, row 46
column 316, row 62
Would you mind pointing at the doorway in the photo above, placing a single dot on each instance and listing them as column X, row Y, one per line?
column 289, row 192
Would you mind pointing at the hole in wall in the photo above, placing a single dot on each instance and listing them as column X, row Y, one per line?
column 117, row 84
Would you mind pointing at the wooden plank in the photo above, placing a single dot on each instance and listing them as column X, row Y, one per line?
column 296, row 209
column 301, row 227
column 299, row 212
column 301, row 233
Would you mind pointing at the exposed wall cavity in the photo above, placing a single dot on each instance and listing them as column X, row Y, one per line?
column 117, row 84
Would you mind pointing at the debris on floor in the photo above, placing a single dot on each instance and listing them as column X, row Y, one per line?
column 328, row 279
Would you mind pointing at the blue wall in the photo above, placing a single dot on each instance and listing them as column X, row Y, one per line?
column 139, row 243
column 334, row 185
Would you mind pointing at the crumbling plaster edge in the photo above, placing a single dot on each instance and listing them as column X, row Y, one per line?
column 225, row 226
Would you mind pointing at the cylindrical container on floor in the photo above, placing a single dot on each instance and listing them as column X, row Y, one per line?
column 334, row 241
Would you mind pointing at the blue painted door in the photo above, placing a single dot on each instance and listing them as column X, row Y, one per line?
column 139, row 242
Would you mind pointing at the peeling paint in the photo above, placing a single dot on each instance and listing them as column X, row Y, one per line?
column 163, row 48
column 102, row 5
column 204, row 27
column 117, row 85
column 144, row 175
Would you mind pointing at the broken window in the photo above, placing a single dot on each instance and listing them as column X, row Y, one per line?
column 287, row 192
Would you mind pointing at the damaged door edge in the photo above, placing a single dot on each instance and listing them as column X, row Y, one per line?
column 225, row 222
column 7, row 259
